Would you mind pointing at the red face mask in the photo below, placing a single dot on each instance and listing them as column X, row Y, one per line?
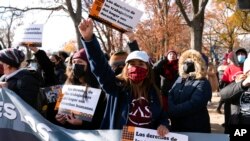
column 137, row 74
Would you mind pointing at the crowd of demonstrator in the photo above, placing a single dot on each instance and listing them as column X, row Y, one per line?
column 170, row 94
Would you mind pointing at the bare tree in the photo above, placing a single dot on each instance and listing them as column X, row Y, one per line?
column 196, row 24
column 76, row 10
column 9, row 21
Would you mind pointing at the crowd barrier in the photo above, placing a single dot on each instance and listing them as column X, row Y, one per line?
column 19, row 121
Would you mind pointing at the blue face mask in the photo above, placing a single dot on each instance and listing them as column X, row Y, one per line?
column 241, row 58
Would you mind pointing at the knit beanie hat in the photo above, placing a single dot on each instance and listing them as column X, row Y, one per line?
column 81, row 54
column 246, row 66
column 12, row 57
column 166, row 54
column 118, row 58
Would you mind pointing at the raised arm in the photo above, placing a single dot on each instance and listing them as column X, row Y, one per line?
column 98, row 63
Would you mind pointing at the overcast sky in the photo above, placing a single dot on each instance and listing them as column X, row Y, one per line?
column 57, row 30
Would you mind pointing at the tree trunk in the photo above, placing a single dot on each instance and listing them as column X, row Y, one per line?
column 78, row 37
column 196, row 32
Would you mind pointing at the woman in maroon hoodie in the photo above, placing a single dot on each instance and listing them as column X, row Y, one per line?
column 166, row 73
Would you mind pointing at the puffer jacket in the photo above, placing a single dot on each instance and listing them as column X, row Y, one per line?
column 189, row 96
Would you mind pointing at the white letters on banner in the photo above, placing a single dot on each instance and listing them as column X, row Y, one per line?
column 7, row 110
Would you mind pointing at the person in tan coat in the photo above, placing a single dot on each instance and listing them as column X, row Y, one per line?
column 212, row 77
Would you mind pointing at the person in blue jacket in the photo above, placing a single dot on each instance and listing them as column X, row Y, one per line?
column 189, row 95
column 133, row 98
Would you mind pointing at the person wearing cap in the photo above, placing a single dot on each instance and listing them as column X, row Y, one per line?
column 132, row 91
column 237, row 93
column 19, row 80
column 78, row 73
column 166, row 73
column 189, row 95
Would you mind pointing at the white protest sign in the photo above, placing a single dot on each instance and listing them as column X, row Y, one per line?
column 80, row 101
column 30, row 35
column 144, row 134
column 116, row 13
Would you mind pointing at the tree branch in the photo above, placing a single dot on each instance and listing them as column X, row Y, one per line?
column 201, row 11
column 57, row 8
column 79, row 9
column 70, row 9
column 180, row 5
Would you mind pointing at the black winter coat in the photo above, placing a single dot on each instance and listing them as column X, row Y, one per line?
column 24, row 84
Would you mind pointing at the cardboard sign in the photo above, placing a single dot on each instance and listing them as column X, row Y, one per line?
column 115, row 13
column 130, row 133
column 78, row 100
column 30, row 36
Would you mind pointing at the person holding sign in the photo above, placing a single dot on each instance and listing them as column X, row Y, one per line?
column 78, row 73
column 133, row 97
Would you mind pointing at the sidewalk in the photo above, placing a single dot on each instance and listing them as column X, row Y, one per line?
column 216, row 119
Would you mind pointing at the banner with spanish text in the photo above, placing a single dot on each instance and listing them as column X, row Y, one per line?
column 20, row 122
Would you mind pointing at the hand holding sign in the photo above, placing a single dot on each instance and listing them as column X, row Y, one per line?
column 73, row 120
column 3, row 84
column 131, row 36
column 61, row 118
column 162, row 130
column 131, row 133
column 86, row 29
column 34, row 49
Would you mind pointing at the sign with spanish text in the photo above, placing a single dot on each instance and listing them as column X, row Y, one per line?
column 78, row 100
column 30, row 36
column 130, row 133
column 115, row 13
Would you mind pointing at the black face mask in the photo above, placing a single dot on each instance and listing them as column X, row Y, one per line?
column 188, row 67
column 78, row 70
